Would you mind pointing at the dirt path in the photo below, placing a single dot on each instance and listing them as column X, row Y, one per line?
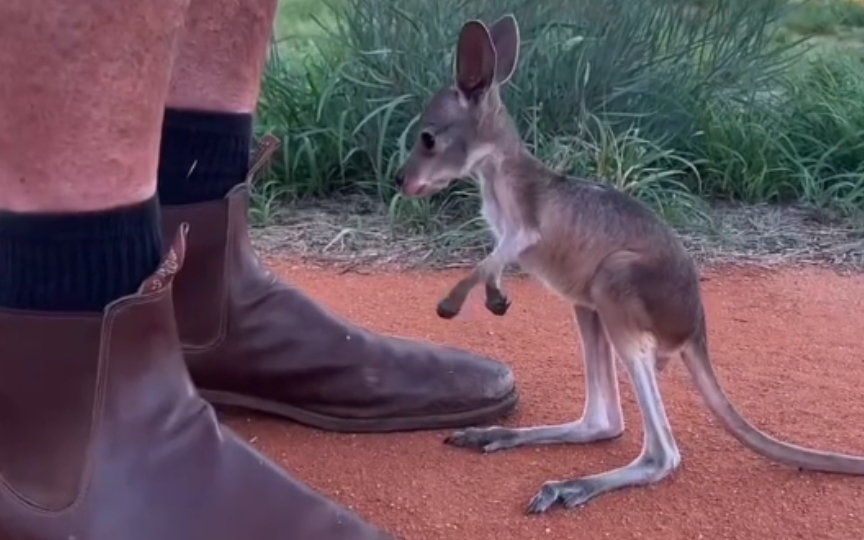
column 788, row 346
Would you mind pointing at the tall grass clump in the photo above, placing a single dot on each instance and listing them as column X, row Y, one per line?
column 826, row 132
column 668, row 99
column 802, row 142
column 823, row 17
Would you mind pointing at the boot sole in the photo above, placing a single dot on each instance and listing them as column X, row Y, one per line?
column 497, row 411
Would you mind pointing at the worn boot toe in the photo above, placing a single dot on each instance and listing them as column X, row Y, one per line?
column 253, row 341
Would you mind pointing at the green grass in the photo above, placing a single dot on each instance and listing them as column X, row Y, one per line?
column 298, row 24
column 808, row 146
column 677, row 103
column 822, row 17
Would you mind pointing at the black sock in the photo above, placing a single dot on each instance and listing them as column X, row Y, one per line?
column 203, row 155
column 77, row 262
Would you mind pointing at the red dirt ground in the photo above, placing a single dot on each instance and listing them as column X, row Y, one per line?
column 788, row 346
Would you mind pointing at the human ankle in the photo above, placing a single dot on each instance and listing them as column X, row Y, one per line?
column 203, row 154
column 77, row 261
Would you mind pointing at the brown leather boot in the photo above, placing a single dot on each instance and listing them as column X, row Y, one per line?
column 253, row 341
column 103, row 437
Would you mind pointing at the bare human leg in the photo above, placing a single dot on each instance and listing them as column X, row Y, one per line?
column 262, row 355
column 77, row 162
column 50, row 93
column 103, row 434
column 221, row 55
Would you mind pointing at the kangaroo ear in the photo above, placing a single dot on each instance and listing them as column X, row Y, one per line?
column 475, row 60
column 506, row 39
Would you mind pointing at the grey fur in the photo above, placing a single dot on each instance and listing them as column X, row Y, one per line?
column 634, row 288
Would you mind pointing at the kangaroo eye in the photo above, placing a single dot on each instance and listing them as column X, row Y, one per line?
column 427, row 140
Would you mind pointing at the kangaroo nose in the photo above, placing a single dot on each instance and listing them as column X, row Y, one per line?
column 400, row 178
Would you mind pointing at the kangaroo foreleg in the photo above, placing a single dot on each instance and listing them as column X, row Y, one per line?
column 488, row 272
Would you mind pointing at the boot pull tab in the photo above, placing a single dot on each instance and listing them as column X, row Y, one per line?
column 171, row 263
column 268, row 144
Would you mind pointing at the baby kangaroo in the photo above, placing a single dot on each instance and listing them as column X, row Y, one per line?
column 634, row 289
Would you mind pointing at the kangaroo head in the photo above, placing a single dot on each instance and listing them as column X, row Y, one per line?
column 466, row 122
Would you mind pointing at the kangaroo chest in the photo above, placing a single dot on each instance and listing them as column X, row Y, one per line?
column 500, row 211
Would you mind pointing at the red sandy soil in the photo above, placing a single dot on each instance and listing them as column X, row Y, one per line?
column 788, row 346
